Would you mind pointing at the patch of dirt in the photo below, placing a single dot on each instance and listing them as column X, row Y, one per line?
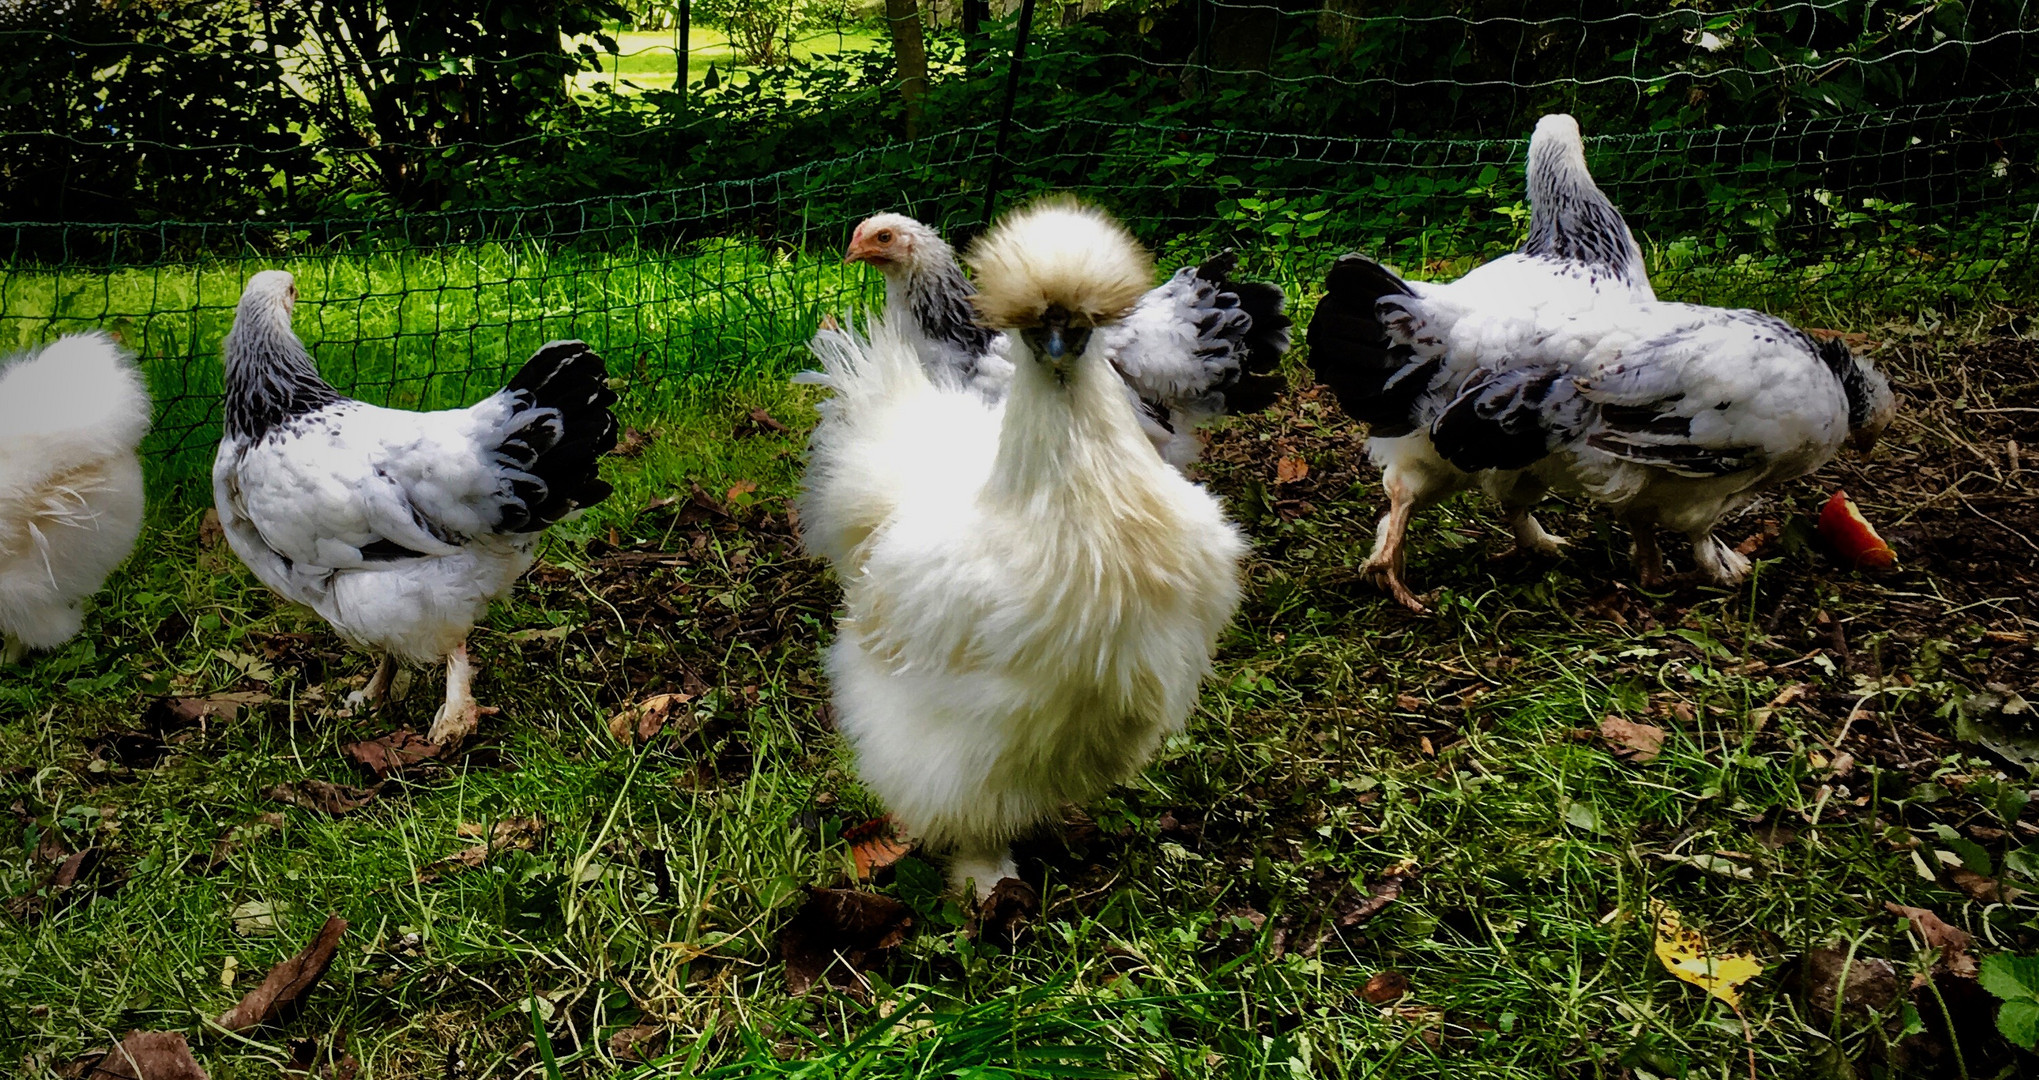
column 724, row 583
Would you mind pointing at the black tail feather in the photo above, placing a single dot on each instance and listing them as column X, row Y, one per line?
column 1374, row 379
column 1507, row 419
column 561, row 451
column 1267, row 337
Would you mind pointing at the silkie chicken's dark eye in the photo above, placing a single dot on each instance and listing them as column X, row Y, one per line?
column 885, row 236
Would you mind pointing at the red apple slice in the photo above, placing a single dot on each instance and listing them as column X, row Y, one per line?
column 1851, row 537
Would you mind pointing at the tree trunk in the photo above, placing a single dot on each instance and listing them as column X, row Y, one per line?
column 904, row 18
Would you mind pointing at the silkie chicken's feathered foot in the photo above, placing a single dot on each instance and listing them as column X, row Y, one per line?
column 377, row 690
column 977, row 871
column 1384, row 566
column 460, row 715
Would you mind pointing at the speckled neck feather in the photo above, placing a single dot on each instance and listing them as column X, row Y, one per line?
column 270, row 376
column 1569, row 217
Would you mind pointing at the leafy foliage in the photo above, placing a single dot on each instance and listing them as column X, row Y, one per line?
column 2015, row 981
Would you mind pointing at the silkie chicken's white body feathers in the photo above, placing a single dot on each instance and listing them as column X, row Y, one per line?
column 71, row 417
column 1031, row 596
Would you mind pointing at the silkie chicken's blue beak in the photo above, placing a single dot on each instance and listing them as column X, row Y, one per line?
column 1056, row 346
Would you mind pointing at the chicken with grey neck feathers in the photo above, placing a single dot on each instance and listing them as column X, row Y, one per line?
column 399, row 528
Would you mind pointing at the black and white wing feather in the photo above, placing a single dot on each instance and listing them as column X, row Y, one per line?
column 1199, row 346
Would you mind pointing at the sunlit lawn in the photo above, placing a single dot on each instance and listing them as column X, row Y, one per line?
column 644, row 59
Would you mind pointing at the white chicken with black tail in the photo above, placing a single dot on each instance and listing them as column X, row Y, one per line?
column 1201, row 345
column 1670, row 415
column 1395, row 353
column 71, row 417
column 399, row 528
column 1031, row 595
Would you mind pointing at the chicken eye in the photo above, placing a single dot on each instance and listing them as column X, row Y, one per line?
column 885, row 236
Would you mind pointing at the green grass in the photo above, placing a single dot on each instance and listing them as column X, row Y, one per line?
column 417, row 328
column 648, row 59
column 1338, row 738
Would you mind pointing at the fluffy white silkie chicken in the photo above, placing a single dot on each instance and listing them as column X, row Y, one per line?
column 1671, row 415
column 1578, row 260
column 71, row 416
column 1031, row 595
column 399, row 528
column 1196, row 347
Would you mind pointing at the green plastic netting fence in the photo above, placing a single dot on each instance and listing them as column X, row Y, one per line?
column 1885, row 160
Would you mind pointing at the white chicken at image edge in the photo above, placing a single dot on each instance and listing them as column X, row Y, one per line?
column 71, row 416
column 399, row 528
column 1031, row 596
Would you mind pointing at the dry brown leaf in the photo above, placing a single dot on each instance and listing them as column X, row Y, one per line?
column 1384, row 987
column 171, row 713
column 515, row 833
column 841, row 933
column 1637, row 744
column 766, row 421
column 210, row 532
column 632, row 443
column 875, row 845
column 60, row 889
column 638, row 1044
column 1767, row 530
column 394, row 752
column 1004, row 915
column 738, row 490
column 288, row 982
column 1397, row 877
column 149, row 1055
column 1977, row 887
column 642, row 721
column 323, row 796
column 1290, row 469
column 1952, row 941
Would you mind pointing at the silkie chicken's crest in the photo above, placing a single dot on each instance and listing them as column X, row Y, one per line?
column 1058, row 253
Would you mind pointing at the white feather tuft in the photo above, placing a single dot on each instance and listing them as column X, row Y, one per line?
column 1058, row 252
column 71, row 416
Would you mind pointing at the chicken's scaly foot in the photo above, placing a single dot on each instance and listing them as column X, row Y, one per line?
column 459, row 716
column 1384, row 566
column 1389, row 578
column 454, row 723
column 12, row 649
column 1530, row 536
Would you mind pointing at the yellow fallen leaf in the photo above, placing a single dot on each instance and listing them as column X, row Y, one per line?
column 1684, row 953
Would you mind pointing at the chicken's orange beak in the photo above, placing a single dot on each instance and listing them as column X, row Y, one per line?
column 862, row 250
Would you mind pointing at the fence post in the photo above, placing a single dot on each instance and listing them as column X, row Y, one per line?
column 1012, row 81
column 682, row 27
column 1204, row 20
